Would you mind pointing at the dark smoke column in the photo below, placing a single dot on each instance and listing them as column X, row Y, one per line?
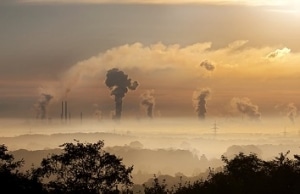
column 119, row 83
column 199, row 100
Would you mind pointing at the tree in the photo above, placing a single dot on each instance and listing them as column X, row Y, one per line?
column 248, row 174
column 14, row 181
column 156, row 187
column 84, row 168
column 284, row 174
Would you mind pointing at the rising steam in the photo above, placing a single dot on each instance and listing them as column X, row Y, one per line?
column 199, row 101
column 119, row 83
column 148, row 101
column 42, row 105
column 245, row 106
column 209, row 66
column 292, row 112
column 288, row 110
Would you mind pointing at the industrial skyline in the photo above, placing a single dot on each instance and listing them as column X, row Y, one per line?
column 244, row 57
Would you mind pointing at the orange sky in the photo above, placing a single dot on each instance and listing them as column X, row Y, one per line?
column 253, row 50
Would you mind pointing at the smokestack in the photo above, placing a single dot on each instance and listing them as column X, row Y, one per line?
column 119, row 83
column 66, row 110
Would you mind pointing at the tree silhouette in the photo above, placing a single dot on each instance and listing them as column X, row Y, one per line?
column 156, row 187
column 244, row 174
column 14, row 181
column 84, row 168
column 249, row 174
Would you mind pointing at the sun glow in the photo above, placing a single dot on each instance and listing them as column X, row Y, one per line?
column 291, row 3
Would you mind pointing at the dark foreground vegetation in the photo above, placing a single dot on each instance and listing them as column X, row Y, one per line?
column 85, row 168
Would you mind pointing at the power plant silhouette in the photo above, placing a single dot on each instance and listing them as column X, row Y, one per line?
column 65, row 115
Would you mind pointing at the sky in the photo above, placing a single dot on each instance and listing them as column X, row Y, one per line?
column 195, row 59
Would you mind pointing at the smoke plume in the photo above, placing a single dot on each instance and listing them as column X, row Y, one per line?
column 148, row 101
column 42, row 105
column 119, row 83
column 199, row 101
column 292, row 112
column 207, row 65
column 245, row 106
column 288, row 110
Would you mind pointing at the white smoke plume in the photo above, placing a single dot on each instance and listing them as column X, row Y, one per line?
column 245, row 106
column 288, row 110
column 148, row 101
column 292, row 111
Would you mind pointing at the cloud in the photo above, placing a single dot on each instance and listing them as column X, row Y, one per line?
column 279, row 53
column 175, row 69
column 151, row 58
column 237, row 44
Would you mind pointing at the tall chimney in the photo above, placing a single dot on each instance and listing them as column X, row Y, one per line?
column 66, row 111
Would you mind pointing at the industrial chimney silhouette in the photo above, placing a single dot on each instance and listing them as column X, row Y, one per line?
column 64, row 110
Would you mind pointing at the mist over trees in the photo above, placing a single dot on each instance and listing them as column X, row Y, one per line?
column 87, row 168
column 245, row 174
